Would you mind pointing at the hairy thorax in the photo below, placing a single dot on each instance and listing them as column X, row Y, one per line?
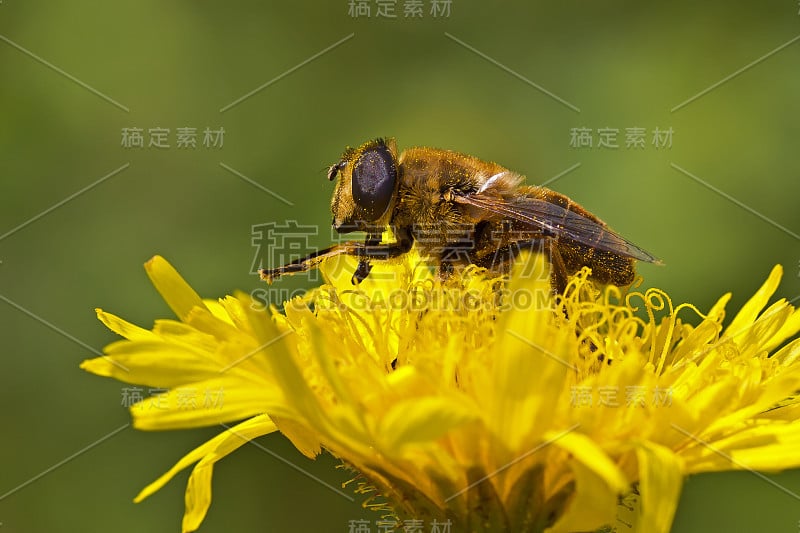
column 424, row 205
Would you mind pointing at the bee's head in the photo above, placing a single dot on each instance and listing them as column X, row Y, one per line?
column 365, row 190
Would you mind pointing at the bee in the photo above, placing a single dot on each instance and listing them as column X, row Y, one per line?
column 458, row 209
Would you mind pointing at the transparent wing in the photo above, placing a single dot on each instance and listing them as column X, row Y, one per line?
column 558, row 221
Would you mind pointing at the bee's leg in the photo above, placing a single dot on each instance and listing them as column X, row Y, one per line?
column 446, row 269
column 502, row 259
column 558, row 271
column 363, row 269
column 361, row 272
column 450, row 256
column 310, row 261
column 357, row 249
column 373, row 249
column 496, row 248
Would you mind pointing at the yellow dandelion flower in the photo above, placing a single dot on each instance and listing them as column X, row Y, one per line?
column 477, row 401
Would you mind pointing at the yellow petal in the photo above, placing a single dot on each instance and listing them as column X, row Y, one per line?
column 765, row 396
column 530, row 368
column 217, row 308
column 282, row 366
column 749, row 311
column 717, row 311
column 123, row 327
column 754, row 339
column 182, row 334
column 788, row 329
column 106, row 367
column 304, row 439
column 586, row 451
column 531, row 361
column 221, row 445
column 593, row 503
column 660, row 484
column 769, row 447
column 154, row 363
column 789, row 355
column 197, row 498
column 782, row 454
column 173, row 288
column 205, row 403
column 421, row 420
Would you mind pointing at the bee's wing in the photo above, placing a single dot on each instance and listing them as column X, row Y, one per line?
column 558, row 221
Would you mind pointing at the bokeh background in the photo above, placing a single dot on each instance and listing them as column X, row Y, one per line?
column 428, row 81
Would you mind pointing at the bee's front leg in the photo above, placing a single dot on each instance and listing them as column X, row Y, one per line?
column 310, row 261
column 374, row 249
column 362, row 271
column 370, row 249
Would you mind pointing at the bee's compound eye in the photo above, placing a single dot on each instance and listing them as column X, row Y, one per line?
column 374, row 177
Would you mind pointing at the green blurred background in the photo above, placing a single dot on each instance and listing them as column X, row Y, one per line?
column 177, row 64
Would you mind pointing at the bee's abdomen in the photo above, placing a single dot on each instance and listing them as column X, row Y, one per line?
column 607, row 267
